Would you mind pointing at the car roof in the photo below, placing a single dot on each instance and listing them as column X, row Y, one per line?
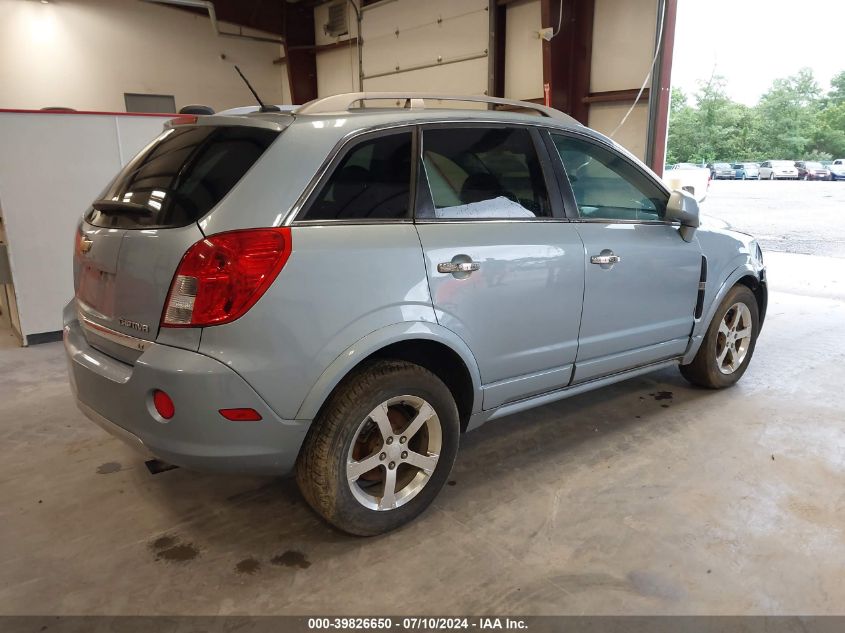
column 336, row 118
column 418, row 107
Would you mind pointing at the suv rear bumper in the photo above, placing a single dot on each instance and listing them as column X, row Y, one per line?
column 118, row 397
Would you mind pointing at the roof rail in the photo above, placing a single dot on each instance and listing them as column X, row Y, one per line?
column 416, row 101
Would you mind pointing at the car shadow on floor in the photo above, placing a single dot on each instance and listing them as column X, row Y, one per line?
column 252, row 519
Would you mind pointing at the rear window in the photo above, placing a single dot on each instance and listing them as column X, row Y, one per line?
column 182, row 175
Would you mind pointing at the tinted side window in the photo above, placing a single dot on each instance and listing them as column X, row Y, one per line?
column 606, row 186
column 482, row 173
column 372, row 181
column 183, row 174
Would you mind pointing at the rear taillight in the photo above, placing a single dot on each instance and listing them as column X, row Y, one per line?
column 222, row 276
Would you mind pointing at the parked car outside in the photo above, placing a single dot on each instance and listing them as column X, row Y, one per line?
column 778, row 170
column 343, row 291
column 746, row 171
column 837, row 169
column 689, row 177
column 812, row 170
column 721, row 171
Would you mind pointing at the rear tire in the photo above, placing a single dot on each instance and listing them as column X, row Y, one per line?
column 362, row 424
column 725, row 353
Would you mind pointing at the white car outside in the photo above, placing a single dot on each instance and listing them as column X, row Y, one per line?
column 778, row 170
column 689, row 177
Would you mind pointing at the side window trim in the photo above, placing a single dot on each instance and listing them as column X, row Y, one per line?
column 569, row 195
column 338, row 154
column 424, row 203
column 553, row 189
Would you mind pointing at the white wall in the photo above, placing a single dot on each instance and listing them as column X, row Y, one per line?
column 623, row 47
column 337, row 69
column 523, row 51
column 45, row 186
column 605, row 117
column 85, row 54
column 623, row 43
column 427, row 31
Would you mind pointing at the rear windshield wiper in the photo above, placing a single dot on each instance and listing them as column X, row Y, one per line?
column 118, row 207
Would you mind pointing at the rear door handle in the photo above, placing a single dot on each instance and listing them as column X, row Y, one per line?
column 605, row 260
column 457, row 267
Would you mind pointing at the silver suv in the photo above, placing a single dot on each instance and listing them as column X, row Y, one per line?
column 343, row 291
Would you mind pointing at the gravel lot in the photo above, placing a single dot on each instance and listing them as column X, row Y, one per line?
column 786, row 216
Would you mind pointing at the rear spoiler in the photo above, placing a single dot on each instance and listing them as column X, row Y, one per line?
column 276, row 121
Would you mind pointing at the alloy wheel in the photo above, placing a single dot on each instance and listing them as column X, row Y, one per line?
column 734, row 338
column 394, row 453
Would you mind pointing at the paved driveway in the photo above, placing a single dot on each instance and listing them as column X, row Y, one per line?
column 788, row 216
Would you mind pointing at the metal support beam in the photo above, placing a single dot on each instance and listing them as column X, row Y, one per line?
column 567, row 57
column 299, row 51
column 498, row 14
column 661, row 88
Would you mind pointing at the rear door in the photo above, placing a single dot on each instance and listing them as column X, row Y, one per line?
column 505, row 268
column 131, row 241
column 641, row 276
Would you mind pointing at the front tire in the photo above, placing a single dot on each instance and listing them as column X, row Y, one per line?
column 381, row 448
column 728, row 346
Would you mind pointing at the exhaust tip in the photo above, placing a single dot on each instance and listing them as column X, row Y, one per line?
column 156, row 466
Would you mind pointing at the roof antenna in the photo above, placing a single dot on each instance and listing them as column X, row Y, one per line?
column 263, row 108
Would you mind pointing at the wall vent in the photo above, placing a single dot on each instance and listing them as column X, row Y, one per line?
column 338, row 24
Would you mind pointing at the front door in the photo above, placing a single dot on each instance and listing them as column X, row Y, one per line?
column 642, row 278
column 506, row 272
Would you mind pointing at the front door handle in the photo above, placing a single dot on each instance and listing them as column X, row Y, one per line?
column 457, row 267
column 605, row 260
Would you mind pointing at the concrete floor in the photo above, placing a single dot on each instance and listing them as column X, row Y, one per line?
column 649, row 497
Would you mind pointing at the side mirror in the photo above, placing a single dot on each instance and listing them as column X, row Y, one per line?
column 683, row 208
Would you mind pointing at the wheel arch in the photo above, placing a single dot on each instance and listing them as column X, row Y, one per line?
column 761, row 293
column 429, row 345
column 745, row 275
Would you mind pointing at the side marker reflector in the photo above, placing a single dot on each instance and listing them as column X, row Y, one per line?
column 241, row 415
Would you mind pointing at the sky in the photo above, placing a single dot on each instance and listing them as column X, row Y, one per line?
column 753, row 42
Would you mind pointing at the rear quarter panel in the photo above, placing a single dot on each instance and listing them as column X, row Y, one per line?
column 341, row 283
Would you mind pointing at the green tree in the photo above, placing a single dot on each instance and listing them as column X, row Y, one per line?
column 793, row 120
column 788, row 117
column 829, row 137
column 681, row 128
column 715, row 129
column 837, row 89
